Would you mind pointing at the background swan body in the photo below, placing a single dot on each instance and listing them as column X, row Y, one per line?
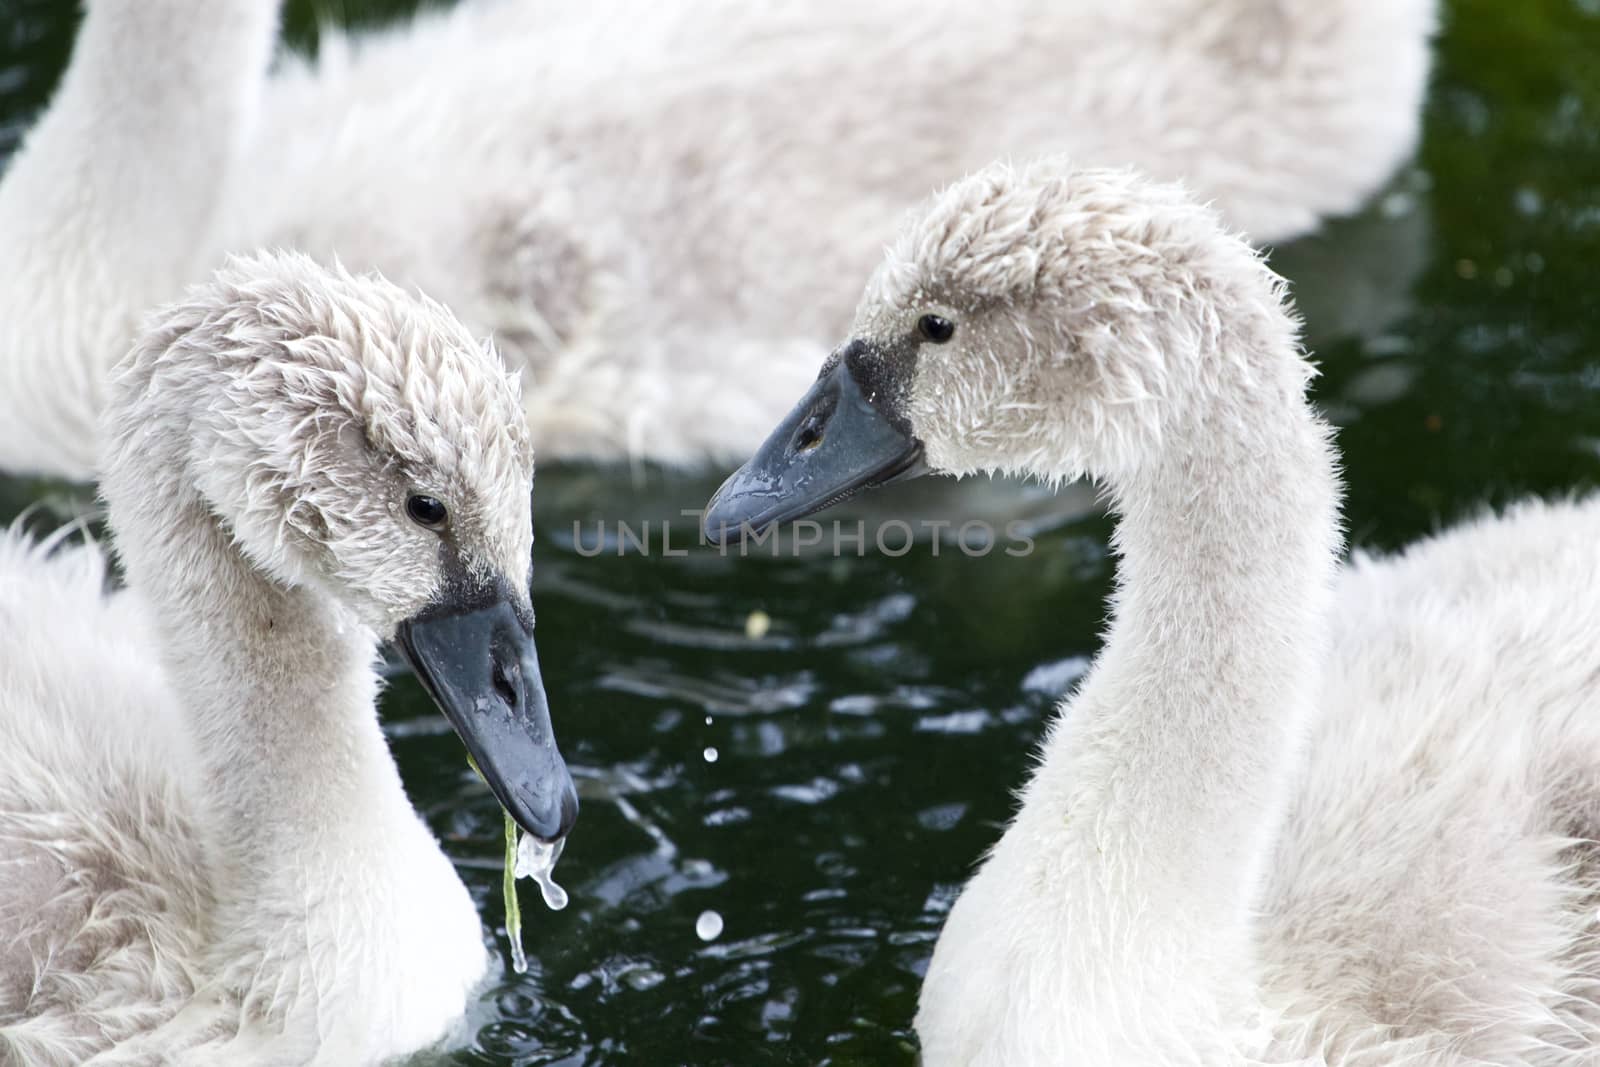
column 646, row 204
column 208, row 854
column 1294, row 814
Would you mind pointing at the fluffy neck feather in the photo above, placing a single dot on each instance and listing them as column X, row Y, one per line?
column 339, row 927
column 279, row 687
column 1169, row 768
column 1135, row 860
column 1190, row 720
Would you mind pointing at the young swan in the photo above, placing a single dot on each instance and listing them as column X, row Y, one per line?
column 622, row 191
column 1292, row 815
column 208, row 855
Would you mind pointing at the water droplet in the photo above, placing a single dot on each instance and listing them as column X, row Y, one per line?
column 644, row 978
column 537, row 859
column 710, row 754
column 709, row 926
column 708, row 720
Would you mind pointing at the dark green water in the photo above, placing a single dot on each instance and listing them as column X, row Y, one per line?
column 868, row 743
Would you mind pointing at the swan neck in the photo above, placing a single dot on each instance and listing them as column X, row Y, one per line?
column 1186, row 734
column 277, row 684
column 117, row 185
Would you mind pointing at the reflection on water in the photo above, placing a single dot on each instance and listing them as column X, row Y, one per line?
column 788, row 766
column 785, row 894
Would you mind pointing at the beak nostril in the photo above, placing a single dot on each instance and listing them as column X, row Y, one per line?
column 504, row 684
column 810, row 435
column 814, row 426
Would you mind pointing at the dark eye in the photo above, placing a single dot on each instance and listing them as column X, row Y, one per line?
column 936, row 328
column 426, row 511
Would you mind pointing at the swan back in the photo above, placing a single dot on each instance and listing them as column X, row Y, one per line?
column 87, row 729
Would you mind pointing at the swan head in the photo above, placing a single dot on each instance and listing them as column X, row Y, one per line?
column 350, row 438
column 1045, row 320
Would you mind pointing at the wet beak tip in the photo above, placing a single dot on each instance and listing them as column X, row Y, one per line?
column 514, row 747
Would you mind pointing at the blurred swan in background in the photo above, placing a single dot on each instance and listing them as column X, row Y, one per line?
column 206, row 854
column 648, row 205
column 1294, row 814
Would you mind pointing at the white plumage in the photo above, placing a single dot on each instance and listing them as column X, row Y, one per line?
column 207, row 853
column 648, row 204
column 1295, row 813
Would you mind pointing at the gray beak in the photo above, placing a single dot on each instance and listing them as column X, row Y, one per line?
column 474, row 654
column 834, row 443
